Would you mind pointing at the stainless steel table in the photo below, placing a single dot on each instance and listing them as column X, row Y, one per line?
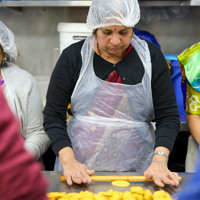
column 55, row 185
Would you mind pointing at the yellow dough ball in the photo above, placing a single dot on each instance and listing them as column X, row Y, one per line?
column 148, row 195
column 137, row 190
column 121, row 183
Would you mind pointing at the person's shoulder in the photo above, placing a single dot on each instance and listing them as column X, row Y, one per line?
column 20, row 74
column 74, row 48
column 71, row 56
column 155, row 53
column 153, row 48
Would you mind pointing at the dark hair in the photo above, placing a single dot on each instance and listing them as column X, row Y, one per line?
column 94, row 31
column 1, row 48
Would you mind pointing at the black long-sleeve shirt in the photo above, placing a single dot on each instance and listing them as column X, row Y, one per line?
column 131, row 71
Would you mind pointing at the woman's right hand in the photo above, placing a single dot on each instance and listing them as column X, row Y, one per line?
column 73, row 170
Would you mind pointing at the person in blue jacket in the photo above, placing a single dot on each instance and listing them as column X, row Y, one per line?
column 192, row 190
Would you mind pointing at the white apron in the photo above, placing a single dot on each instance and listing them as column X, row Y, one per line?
column 111, row 128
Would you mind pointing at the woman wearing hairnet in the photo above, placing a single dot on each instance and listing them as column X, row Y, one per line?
column 22, row 94
column 117, row 85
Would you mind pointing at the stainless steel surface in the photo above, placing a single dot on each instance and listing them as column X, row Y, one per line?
column 61, row 186
column 45, row 3
column 87, row 3
column 165, row 3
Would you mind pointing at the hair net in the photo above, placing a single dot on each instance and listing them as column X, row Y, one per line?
column 7, row 41
column 113, row 12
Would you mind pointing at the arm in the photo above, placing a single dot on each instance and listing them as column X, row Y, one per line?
column 159, row 171
column 58, row 97
column 61, row 86
column 193, row 124
column 36, row 139
column 164, row 100
column 17, row 165
column 73, row 170
column 166, row 118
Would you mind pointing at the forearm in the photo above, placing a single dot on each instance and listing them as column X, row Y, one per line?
column 166, row 112
column 66, row 154
column 37, row 144
column 59, row 138
column 166, row 137
column 37, row 141
column 193, row 125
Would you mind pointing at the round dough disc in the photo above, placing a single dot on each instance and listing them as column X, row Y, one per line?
column 121, row 183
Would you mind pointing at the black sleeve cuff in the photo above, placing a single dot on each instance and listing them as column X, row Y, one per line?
column 60, row 145
column 166, row 137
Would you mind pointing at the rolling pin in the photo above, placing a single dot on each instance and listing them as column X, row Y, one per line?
column 117, row 178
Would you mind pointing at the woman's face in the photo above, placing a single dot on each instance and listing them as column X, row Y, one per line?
column 114, row 40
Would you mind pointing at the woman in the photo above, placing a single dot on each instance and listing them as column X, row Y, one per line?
column 189, row 61
column 22, row 94
column 20, row 176
column 110, row 79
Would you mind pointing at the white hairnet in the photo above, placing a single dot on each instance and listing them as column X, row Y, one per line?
column 113, row 12
column 7, row 41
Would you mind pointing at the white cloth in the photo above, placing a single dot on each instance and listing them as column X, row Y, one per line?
column 7, row 41
column 113, row 12
column 191, row 155
column 111, row 126
column 195, row 2
column 23, row 96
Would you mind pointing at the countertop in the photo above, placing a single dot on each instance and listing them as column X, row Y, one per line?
column 55, row 185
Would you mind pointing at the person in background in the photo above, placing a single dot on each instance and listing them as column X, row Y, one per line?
column 20, row 175
column 117, row 85
column 192, row 191
column 22, row 94
column 189, row 61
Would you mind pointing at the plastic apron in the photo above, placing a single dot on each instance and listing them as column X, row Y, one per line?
column 111, row 128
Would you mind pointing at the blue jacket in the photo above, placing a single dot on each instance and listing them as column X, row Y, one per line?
column 192, row 190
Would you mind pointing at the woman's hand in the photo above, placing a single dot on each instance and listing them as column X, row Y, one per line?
column 161, row 174
column 158, row 170
column 73, row 170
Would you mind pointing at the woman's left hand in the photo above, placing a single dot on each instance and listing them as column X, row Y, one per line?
column 161, row 175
